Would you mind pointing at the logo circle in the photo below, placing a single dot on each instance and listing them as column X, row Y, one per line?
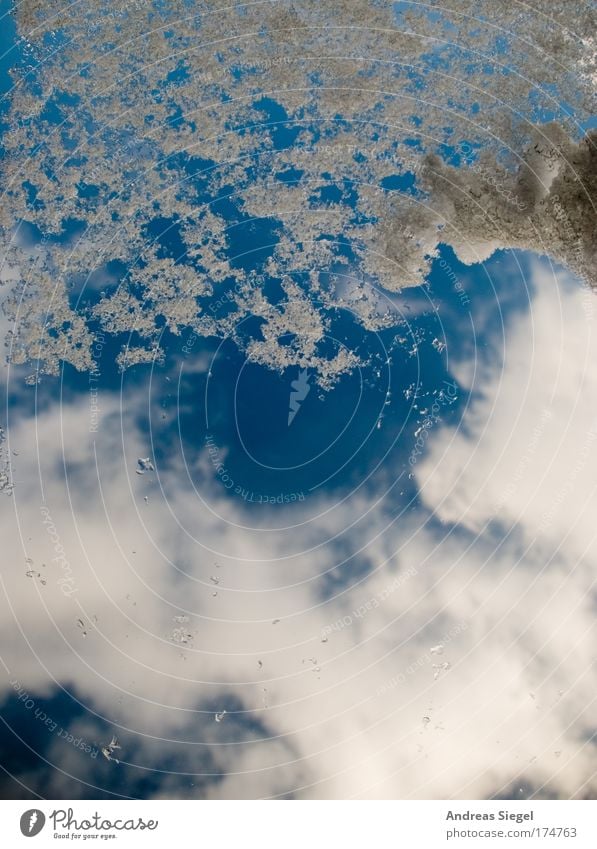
column 32, row 822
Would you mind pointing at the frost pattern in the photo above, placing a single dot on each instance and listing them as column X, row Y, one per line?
column 358, row 134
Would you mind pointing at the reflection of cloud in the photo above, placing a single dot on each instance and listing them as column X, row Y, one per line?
column 527, row 452
column 362, row 710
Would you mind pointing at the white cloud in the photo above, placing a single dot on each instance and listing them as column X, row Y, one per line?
column 370, row 711
column 526, row 451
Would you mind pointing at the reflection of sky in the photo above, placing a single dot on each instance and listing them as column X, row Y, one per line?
column 440, row 546
column 139, row 564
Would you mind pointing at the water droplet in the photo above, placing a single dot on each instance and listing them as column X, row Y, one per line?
column 438, row 669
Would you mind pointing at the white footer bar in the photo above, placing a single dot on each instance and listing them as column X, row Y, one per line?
column 301, row 825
